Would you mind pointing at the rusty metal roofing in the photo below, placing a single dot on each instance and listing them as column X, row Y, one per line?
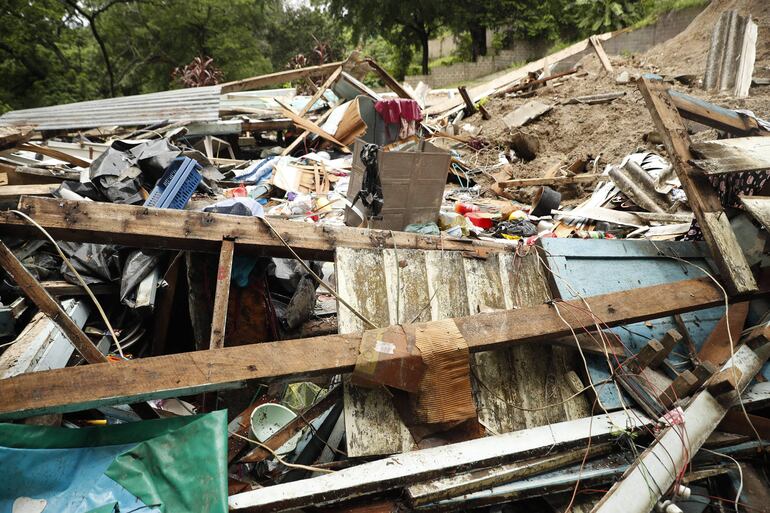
column 193, row 104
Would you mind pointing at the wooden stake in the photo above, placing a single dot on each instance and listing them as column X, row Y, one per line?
column 222, row 295
column 599, row 49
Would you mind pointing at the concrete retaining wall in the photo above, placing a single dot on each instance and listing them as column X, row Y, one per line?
column 629, row 41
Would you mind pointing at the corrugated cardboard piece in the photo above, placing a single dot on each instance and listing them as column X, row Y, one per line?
column 444, row 394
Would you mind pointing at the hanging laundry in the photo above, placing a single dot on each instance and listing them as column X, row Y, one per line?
column 402, row 112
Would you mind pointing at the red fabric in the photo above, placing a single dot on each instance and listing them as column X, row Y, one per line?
column 393, row 111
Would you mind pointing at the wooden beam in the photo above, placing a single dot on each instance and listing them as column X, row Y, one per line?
column 304, row 135
column 599, row 49
column 712, row 115
column 16, row 191
column 556, row 180
column 470, row 108
column 54, row 153
column 296, row 425
column 483, row 479
column 190, row 373
column 389, row 81
column 320, row 91
column 65, row 288
column 278, row 78
column 404, row 469
column 717, row 348
column 702, row 197
column 222, row 295
column 655, row 470
column 35, row 292
column 143, row 227
column 307, row 124
column 527, row 85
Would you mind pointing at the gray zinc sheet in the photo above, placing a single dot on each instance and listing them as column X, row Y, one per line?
column 194, row 104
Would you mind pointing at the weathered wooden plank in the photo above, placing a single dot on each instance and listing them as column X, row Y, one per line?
column 404, row 469
column 460, row 484
column 278, row 78
column 732, row 155
column 504, row 380
column 222, row 295
column 709, row 114
column 65, row 288
column 702, row 197
column 32, row 289
column 53, row 152
column 17, row 191
column 759, row 208
column 372, row 424
column 106, row 223
column 320, row 91
column 158, row 377
column 599, row 49
column 717, row 347
column 556, row 180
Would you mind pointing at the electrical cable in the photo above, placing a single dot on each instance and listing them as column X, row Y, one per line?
column 77, row 275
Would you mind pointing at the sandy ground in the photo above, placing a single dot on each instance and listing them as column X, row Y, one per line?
column 611, row 131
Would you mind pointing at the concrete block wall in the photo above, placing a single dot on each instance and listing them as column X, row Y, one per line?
column 443, row 76
column 629, row 41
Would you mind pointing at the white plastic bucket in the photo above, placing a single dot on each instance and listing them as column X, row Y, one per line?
column 267, row 419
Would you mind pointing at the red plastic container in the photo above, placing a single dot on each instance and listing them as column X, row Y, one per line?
column 465, row 208
column 480, row 219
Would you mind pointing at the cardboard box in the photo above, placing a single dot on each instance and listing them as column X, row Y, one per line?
column 412, row 186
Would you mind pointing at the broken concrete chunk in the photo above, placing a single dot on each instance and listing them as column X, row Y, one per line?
column 529, row 111
column 623, row 78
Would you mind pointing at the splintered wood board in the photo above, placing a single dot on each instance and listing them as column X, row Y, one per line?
column 732, row 155
column 403, row 286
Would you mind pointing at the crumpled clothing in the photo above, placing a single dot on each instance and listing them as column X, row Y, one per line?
column 400, row 111
column 729, row 188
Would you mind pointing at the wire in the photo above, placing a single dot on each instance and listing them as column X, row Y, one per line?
column 77, row 275
column 318, row 278
column 740, row 475
column 281, row 460
column 729, row 336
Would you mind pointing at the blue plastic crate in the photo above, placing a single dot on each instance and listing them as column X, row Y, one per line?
column 176, row 186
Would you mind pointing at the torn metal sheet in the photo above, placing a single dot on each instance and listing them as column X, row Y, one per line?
column 731, row 55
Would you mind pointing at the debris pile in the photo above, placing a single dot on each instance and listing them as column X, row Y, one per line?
column 547, row 292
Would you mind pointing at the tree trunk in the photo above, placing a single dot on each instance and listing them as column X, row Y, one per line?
column 478, row 41
column 105, row 55
column 424, row 38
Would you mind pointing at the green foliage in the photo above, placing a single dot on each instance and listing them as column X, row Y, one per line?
column 606, row 15
column 653, row 9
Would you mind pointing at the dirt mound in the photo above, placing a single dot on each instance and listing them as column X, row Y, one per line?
column 687, row 51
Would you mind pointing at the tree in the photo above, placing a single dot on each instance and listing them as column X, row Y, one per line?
column 43, row 55
column 400, row 23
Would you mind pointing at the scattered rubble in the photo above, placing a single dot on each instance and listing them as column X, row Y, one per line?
column 544, row 293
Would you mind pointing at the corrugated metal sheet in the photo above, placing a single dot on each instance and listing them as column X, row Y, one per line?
column 194, row 104
column 731, row 54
